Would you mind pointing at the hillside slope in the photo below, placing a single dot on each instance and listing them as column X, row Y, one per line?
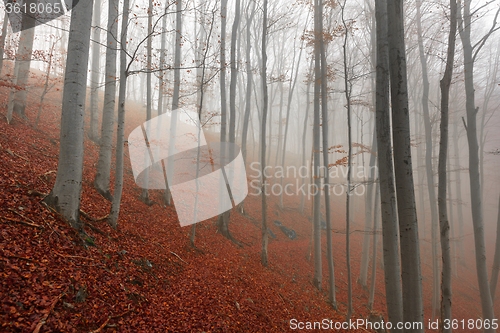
column 144, row 277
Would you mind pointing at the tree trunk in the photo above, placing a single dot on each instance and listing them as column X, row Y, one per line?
column 46, row 84
column 264, row 256
column 496, row 260
column 444, row 225
column 428, row 166
column 324, row 126
column 347, row 92
column 365, row 255
column 65, row 196
column 474, row 178
column 223, row 107
column 392, row 268
column 2, row 40
column 162, row 61
column 489, row 89
column 291, row 87
column 120, row 140
column 304, row 133
column 102, row 178
column 280, row 118
column 223, row 220
column 408, row 228
column 144, row 197
column 177, row 83
column 249, row 88
column 318, row 273
column 95, row 76
column 17, row 97
column 452, row 220
column 374, row 250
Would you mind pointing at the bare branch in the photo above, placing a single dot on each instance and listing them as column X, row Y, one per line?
column 482, row 41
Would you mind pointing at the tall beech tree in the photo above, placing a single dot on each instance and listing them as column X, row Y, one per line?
column 65, row 195
column 95, row 76
column 444, row 224
column 318, row 272
column 470, row 54
column 347, row 93
column 120, row 130
column 324, row 128
column 429, row 170
column 264, row 257
column 496, row 259
column 2, row 40
column 18, row 95
column 390, row 234
column 411, row 276
column 102, row 178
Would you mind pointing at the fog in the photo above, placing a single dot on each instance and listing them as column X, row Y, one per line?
column 349, row 37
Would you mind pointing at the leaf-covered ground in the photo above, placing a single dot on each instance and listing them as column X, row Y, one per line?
column 144, row 277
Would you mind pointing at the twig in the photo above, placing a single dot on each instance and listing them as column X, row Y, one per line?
column 37, row 193
column 14, row 154
column 124, row 313
column 99, row 231
column 159, row 244
column 281, row 297
column 48, row 173
column 102, row 326
column 93, row 219
column 41, row 152
column 175, row 254
column 17, row 257
column 76, row 257
column 46, row 315
column 49, row 207
column 24, row 217
column 25, row 223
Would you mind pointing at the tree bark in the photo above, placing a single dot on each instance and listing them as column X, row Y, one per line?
column 304, row 132
column 120, row 140
column 65, row 196
column 318, row 274
column 2, row 40
column 392, row 267
column 144, row 197
column 248, row 92
column 163, row 45
column 17, row 97
column 496, row 260
column 444, row 225
column 324, row 126
column 177, row 83
column 264, row 256
column 458, row 177
column 408, row 228
column 374, row 249
column 474, row 177
column 223, row 108
column 347, row 92
column 95, row 76
column 102, row 178
column 428, row 165
column 291, row 89
column 365, row 256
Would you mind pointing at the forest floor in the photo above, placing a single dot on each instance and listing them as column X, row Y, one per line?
column 144, row 276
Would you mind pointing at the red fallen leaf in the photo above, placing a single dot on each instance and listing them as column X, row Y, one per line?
column 198, row 294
